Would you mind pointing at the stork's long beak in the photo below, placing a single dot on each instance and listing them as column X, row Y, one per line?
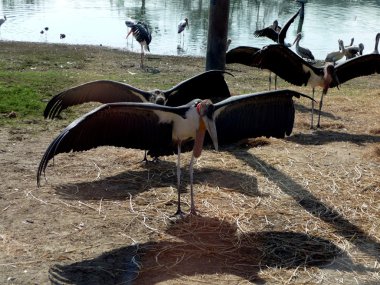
column 336, row 79
column 211, row 128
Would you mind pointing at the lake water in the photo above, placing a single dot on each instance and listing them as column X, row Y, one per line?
column 97, row 22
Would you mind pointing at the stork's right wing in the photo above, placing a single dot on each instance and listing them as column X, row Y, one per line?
column 102, row 91
column 269, row 114
column 130, row 125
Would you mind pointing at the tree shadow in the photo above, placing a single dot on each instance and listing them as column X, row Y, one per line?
column 313, row 205
column 204, row 246
column 323, row 137
column 163, row 174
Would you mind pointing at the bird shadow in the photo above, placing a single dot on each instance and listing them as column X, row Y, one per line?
column 303, row 109
column 204, row 246
column 313, row 205
column 161, row 174
column 320, row 137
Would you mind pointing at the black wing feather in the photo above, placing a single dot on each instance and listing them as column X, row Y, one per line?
column 282, row 33
column 130, row 125
column 267, row 32
column 359, row 66
column 102, row 91
column 285, row 63
column 269, row 114
column 207, row 85
column 242, row 54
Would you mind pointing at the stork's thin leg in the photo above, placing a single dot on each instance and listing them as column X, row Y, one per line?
column 179, row 211
column 312, row 111
column 275, row 82
column 142, row 56
column 270, row 80
column 145, row 159
column 192, row 204
column 320, row 110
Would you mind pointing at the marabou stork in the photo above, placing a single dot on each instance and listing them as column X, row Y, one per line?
column 207, row 85
column 182, row 25
column 376, row 50
column 336, row 55
column 290, row 67
column 147, row 125
column 275, row 32
column 301, row 51
column 142, row 35
column 278, row 35
column 2, row 21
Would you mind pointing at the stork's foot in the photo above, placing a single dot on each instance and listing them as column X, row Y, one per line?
column 193, row 211
column 179, row 214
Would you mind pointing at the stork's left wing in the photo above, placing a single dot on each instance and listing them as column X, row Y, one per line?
column 102, row 91
column 242, row 55
column 207, row 85
column 358, row 66
column 269, row 114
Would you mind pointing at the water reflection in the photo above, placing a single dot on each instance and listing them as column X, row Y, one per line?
column 98, row 22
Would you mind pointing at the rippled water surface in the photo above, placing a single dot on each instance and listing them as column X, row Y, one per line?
column 98, row 22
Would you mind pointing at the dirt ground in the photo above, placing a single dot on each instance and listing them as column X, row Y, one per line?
column 303, row 210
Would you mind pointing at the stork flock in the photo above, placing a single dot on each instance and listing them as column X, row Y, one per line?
column 198, row 112
column 300, row 68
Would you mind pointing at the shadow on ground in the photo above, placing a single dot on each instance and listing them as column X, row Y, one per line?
column 206, row 246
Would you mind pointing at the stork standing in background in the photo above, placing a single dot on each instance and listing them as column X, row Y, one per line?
column 301, row 51
column 2, row 21
column 352, row 51
column 278, row 35
column 275, row 32
column 376, row 50
column 336, row 55
column 143, row 36
column 147, row 125
column 181, row 28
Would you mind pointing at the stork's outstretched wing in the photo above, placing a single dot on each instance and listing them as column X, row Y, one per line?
column 269, row 114
column 102, row 91
column 359, row 66
column 284, row 30
column 130, row 125
column 267, row 32
column 242, row 54
column 285, row 63
column 207, row 85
